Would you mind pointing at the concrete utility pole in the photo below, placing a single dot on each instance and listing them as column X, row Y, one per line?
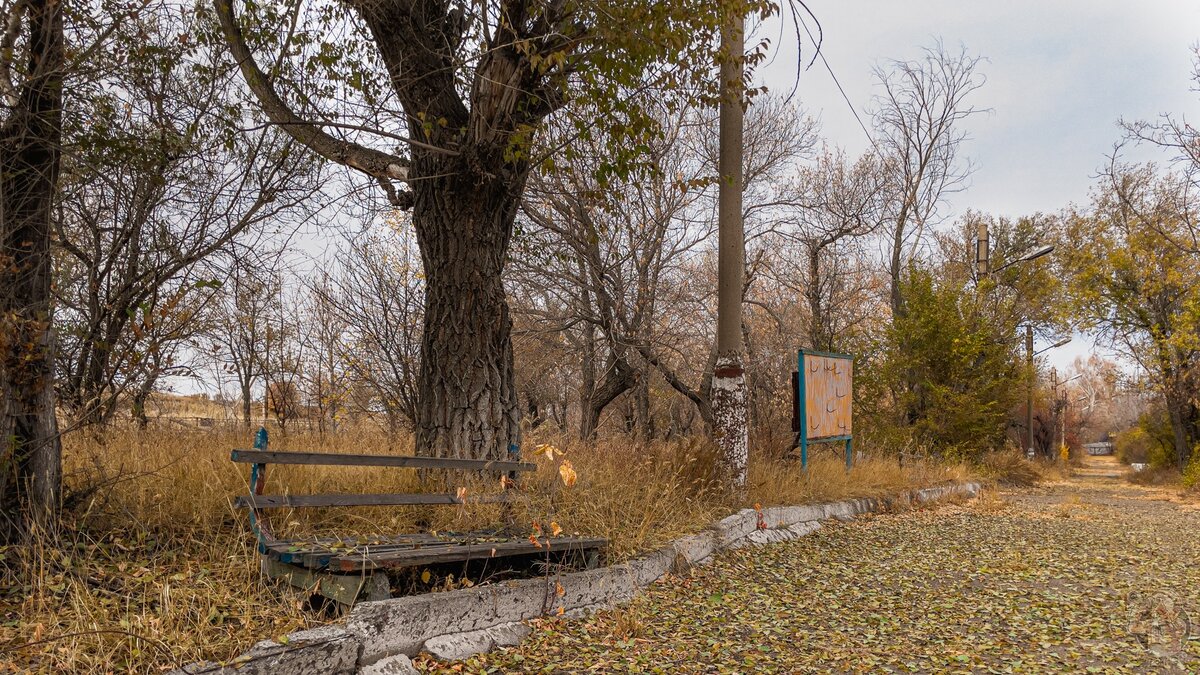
column 1060, row 407
column 1029, row 376
column 982, row 249
column 1054, row 398
column 983, row 267
column 729, row 379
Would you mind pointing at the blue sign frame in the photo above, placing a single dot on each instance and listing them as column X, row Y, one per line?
column 802, row 406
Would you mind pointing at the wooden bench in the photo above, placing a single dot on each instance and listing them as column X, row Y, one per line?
column 350, row 569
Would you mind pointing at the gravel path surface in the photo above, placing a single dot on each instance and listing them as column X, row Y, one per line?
column 1090, row 575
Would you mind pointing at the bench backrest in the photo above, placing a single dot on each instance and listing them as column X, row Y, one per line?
column 260, row 457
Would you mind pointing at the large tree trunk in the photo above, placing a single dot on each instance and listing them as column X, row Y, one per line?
column 618, row 379
column 30, row 454
column 467, row 402
column 818, row 336
column 466, row 176
column 245, row 384
column 1177, row 411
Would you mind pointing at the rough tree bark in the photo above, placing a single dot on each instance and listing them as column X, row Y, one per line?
column 464, row 186
column 30, row 137
column 1181, row 411
column 818, row 333
column 467, row 394
column 618, row 378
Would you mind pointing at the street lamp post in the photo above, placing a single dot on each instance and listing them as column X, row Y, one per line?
column 1060, row 405
column 983, row 267
column 982, row 249
column 983, row 253
column 1030, row 376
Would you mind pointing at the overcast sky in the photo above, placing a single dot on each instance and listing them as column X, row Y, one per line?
column 1060, row 73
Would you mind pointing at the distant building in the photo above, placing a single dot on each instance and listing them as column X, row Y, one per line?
column 1104, row 448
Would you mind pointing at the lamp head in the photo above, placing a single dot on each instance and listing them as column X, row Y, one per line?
column 1038, row 252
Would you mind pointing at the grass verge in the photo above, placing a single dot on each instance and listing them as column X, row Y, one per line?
column 156, row 568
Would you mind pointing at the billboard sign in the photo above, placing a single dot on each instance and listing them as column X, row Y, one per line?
column 824, row 400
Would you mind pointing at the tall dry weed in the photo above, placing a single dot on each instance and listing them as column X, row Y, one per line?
column 155, row 566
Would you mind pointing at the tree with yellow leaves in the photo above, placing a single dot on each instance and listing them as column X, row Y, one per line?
column 1132, row 282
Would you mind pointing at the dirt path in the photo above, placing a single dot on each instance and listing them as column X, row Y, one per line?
column 1089, row 575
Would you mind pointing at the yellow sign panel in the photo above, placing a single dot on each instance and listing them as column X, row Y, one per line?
column 828, row 393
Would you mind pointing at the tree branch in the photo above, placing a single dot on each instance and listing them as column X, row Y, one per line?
column 8, row 43
column 367, row 160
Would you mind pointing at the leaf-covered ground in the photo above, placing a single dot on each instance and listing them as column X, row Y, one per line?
column 1091, row 575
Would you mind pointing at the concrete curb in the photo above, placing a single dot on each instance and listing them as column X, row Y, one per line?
column 378, row 638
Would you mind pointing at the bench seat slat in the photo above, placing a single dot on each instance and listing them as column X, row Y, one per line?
column 428, row 555
column 405, row 461
column 316, row 554
column 324, row 543
column 411, row 539
column 302, row 501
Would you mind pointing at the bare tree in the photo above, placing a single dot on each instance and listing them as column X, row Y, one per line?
column 838, row 203
column 919, row 131
column 596, row 258
column 161, row 345
column 326, row 373
column 618, row 269
column 1176, row 136
column 375, row 291
column 283, row 356
column 156, row 182
column 238, row 338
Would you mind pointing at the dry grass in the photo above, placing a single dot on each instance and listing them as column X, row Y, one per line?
column 1010, row 468
column 990, row 501
column 1156, row 476
column 1069, row 507
column 158, row 569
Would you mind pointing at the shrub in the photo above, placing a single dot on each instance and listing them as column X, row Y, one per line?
column 1009, row 468
column 1191, row 475
column 945, row 374
column 1133, row 445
